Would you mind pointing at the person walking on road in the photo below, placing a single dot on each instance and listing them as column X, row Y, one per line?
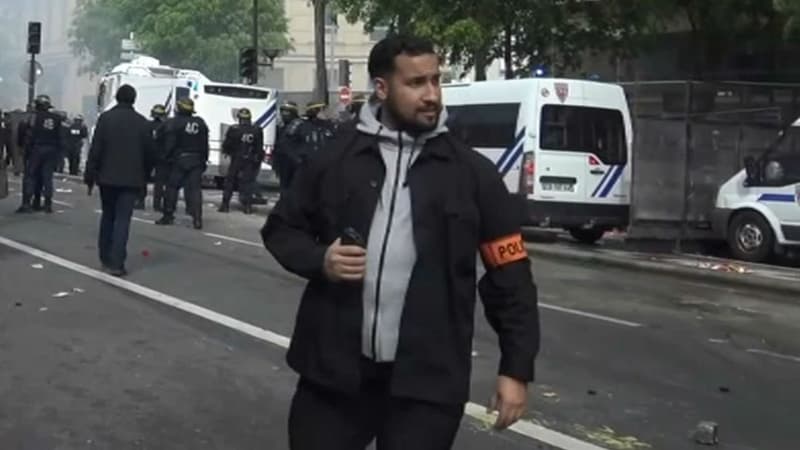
column 43, row 137
column 244, row 144
column 186, row 147
column 385, row 224
column 120, row 159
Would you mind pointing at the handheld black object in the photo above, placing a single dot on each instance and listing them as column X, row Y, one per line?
column 352, row 237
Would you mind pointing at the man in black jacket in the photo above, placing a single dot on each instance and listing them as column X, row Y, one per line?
column 120, row 159
column 42, row 137
column 383, row 335
column 244, row 145
column 186, row 147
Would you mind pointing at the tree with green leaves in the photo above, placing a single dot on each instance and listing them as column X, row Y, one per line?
column 205, row 35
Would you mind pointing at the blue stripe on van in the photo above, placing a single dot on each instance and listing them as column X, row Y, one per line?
column 265, row 118
column 613, row 181
column 515, row 148
column 780, row 198
column 603, row 181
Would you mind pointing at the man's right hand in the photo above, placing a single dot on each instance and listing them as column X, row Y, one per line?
column 345, row 262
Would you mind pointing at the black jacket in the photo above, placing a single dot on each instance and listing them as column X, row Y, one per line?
column 186, row 135
column 121, row 153
column 452, row 220
column 244, row 141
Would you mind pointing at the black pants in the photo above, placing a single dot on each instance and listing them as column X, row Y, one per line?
column 160, row 179
column 39, row 167
column 321, row 419
column 115, row 224
column 191, row 180
column 246, row 172
column 74, row 157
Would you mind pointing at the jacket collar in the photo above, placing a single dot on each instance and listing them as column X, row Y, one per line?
column 437, row 147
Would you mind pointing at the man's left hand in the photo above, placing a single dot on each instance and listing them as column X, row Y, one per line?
column 509, row 401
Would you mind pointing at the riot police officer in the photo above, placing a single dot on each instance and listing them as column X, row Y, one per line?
column 186, row 147
column 161, row 173
column 244, row 144
column 286, row 146
column 44, row 143
column 76, row 133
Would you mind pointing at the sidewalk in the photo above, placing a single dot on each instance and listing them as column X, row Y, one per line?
column 701, row 268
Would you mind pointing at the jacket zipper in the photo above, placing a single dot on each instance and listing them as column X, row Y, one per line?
column 385, row 243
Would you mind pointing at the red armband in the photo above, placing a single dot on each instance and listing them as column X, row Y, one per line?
column 503, row 251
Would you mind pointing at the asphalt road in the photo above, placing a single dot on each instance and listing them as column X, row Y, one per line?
column 630, row 360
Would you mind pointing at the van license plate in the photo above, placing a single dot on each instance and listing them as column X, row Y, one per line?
column 559, row 187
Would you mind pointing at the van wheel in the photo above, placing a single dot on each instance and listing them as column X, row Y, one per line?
column 587, row 236
column 750, row 237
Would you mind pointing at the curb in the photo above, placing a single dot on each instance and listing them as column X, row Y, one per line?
column 749, row 281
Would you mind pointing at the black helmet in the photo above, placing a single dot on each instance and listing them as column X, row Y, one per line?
column 291, row 106
column 186, row 105
column 314, row 108
column 79, row 118
column 43, row 102
column 244, row 114
column 158, row 111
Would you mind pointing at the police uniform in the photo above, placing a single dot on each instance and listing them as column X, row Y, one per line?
column 76, row 133
column 244, row 144
column 162, row 168
column 186, row 147
column 44, row 143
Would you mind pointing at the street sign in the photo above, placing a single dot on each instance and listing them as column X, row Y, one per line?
column 345, row 95
column 24, row 72
column 129, row 45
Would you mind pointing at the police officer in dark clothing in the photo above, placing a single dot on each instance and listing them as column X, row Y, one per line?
column 281, row 158
column 120, row 160
column 161, row 173
column 244, row 144
column 76, row 133
column 186, row 147
column 44, row 143
column 383, row 335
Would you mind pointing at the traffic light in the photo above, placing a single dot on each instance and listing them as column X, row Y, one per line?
column 344, row 72
column 248, row 64
column 34, row 38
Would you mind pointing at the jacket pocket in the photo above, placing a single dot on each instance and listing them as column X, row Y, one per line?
column 462, row 228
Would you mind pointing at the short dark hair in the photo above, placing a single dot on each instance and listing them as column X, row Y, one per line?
column 383, row 54
column 126, row 94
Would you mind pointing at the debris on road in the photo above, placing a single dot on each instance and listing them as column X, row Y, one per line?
column 724, row 389
column 609, row 438
column 43, row 309
column 17, row 304
column 474, row 354
column 37, row 266
column 218, row 243
column 706, row 433
column 718, row 341
column 591, row 392
column 78, row 290
column 61, row 294
column 146, row 253
column 549, row 395
column 724, row 267
column 64, row 191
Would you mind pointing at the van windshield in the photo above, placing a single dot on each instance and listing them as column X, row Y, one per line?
column 584, row 129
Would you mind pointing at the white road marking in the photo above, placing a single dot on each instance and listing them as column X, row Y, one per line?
column 774, row 355
column 149, row 222
column 524, row 428
column 589, row 315
column 233, row 239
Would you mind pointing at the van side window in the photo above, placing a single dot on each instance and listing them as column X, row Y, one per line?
column 583, row 129
column 484, row 126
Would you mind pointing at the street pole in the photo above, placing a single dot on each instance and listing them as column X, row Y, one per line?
column 255, row 38
column 32, row 80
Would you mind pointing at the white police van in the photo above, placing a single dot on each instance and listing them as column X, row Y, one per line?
column 758, row 210
column 564, row 146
